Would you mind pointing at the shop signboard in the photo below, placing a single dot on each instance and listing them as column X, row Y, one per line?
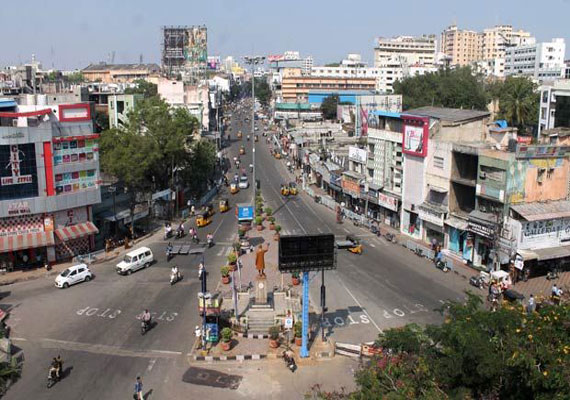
column 480, row 229
column 18, row 175
column 350, row 187
column 357, row 155
column 389, row 202
column 245, row 212
column 429, row 215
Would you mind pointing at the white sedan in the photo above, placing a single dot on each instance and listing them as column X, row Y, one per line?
column 243, row 182
column 72, row 275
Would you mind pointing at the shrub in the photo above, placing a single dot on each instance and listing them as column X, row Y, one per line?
column 274, row 333
column 278, row 228
column 298, row 327
column 226, row 334
column 268, row 211
column 225, row 270
column 232, row 258
column 258, row 220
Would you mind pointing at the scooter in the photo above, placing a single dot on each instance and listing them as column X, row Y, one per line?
column 145, row 326
column 52, row 377
column 195, row 238
column 175, row 278
column 179, row 233
column 477, row 281
column 210, row 242
column 167, row 234
column 390, row 237
column 289, row 361
column 442, row 264
column 168, row 254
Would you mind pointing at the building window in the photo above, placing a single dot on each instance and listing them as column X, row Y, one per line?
column 438, row 162
column 543, row 113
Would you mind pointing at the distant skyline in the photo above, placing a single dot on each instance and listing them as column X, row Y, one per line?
column 69, row 35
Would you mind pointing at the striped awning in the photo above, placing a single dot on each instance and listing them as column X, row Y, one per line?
column 76, row 231
column 26, row 241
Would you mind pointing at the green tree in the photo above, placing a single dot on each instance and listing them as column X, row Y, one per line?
column 474, row 354
column 201, row 166
column 262, row 91
column 329, row 105
column 518, row 101
column 143, row 87
column 155, row 142
column 453, row 88
column 101, row 121
column 75, row 78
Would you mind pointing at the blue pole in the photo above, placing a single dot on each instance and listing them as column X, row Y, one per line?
column 304, row 347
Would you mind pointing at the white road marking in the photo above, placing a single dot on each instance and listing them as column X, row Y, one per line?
column 372, row 245
column 228, row 251
column 346, row 230
column 150, row 365
column 359, row 305
column 319, row 229
column 19, row 339
column 220, row 252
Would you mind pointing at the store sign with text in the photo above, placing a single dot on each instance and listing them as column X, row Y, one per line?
column 389, row 202
column 432, row 216
column 357, row 155
column 482, row 230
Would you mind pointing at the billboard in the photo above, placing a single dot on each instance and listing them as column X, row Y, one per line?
column 18, row 171
column 306, row 252
column 357, row 155
column 196, row 49
column 415, row 140
column 275, row 58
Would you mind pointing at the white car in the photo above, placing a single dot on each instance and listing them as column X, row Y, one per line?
column 72, row 275
column 135, row 260
column 243, row 182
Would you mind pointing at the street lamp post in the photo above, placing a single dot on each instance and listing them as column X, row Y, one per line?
column 253, row 60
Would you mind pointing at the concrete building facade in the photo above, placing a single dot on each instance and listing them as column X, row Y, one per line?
column 118, row 73
column 50, row 185
column 541, row 61
column 408, row 50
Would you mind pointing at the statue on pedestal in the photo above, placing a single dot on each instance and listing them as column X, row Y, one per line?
column 260, row 259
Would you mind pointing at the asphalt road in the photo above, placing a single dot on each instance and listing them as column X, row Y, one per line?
column 95, row 326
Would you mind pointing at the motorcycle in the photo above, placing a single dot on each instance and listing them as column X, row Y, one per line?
column 167, row 234
column 552, row 274
column 390, row 237
column 175, row 278
column 210, row 242
column 145, row 326
column 168, row 253
column 289, row 361
column 52, row 377
column 442, row 264
column 195, row 238
column 477, row 281
column 179, row 233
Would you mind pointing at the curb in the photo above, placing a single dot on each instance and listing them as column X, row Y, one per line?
column 238, row 357
column 252, row 335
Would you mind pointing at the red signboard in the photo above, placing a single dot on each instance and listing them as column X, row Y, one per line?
column 74, row 112
column 415, row 135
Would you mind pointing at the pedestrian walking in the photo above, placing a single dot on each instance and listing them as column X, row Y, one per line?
column 556, row 294
column 138, row 389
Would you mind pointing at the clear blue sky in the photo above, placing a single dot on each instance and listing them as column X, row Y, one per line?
column 73, row 33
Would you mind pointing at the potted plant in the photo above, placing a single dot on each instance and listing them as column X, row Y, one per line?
column 259, row 222
column 268, row 211
column 237, row 247
column 225, row 270
column 271, row 223
column 241, row 232
column 232, row 261
column 274, row 337
column 295, row 279
column 298, row 327
column 277, row 230
column 226, row 334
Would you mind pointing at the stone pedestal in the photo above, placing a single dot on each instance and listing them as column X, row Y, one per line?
column 260, row 290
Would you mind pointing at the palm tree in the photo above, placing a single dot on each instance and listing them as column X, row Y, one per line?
column 518, row 102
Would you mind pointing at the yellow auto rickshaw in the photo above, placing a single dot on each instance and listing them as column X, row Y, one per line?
column 234, row 188
column 242, row 150
column 239, row 135
column 277, row 155
column 203, row 219
column 285, row 190
column 224, row 205
column 292, row 188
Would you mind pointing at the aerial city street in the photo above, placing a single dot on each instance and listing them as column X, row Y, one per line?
column 235, row 219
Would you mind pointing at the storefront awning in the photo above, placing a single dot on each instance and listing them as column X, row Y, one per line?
column 552, row 253
column 527, row 255
column 76, row 231
column 26, row 241
column 457, row 223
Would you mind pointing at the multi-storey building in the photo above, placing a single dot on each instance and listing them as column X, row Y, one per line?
column 295, row 86
column 554, row 106
column 541, row 61
column 462, row 46
column 496, row 40
column 49, row 185
column 408, row 50
column 119, row 106
column 118, row 73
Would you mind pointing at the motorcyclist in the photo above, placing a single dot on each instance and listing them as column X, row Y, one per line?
column 251, row 167
column 248, row 137
column 193, row 210
column 169, row 249
column 146, row 318
column 289, row 165
column 210, row 239
column 175, row 272
column 200, row 270
column 180, row 231
column 167, row 230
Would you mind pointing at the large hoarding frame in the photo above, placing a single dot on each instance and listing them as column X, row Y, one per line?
column 303, row 253
column 415, row 135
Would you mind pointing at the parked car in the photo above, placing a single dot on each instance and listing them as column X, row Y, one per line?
column 72, row 275
column 135, row 260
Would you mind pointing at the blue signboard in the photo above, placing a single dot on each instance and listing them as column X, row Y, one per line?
column 245, row 212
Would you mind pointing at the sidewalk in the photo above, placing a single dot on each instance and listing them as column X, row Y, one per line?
column 9, row 278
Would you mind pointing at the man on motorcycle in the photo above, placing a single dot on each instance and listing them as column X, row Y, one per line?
column 146, row 318
column 210, row 239
column 175, row 272
column 167, row 230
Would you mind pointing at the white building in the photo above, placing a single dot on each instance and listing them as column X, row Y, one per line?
column 542, row 61
column 408, row 49
column 549, row 94
column 492, row 67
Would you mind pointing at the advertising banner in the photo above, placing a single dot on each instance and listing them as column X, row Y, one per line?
column 245, row 212
column 356, row 154
column 18, row 175
column 388, row 202
column 415, row 138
